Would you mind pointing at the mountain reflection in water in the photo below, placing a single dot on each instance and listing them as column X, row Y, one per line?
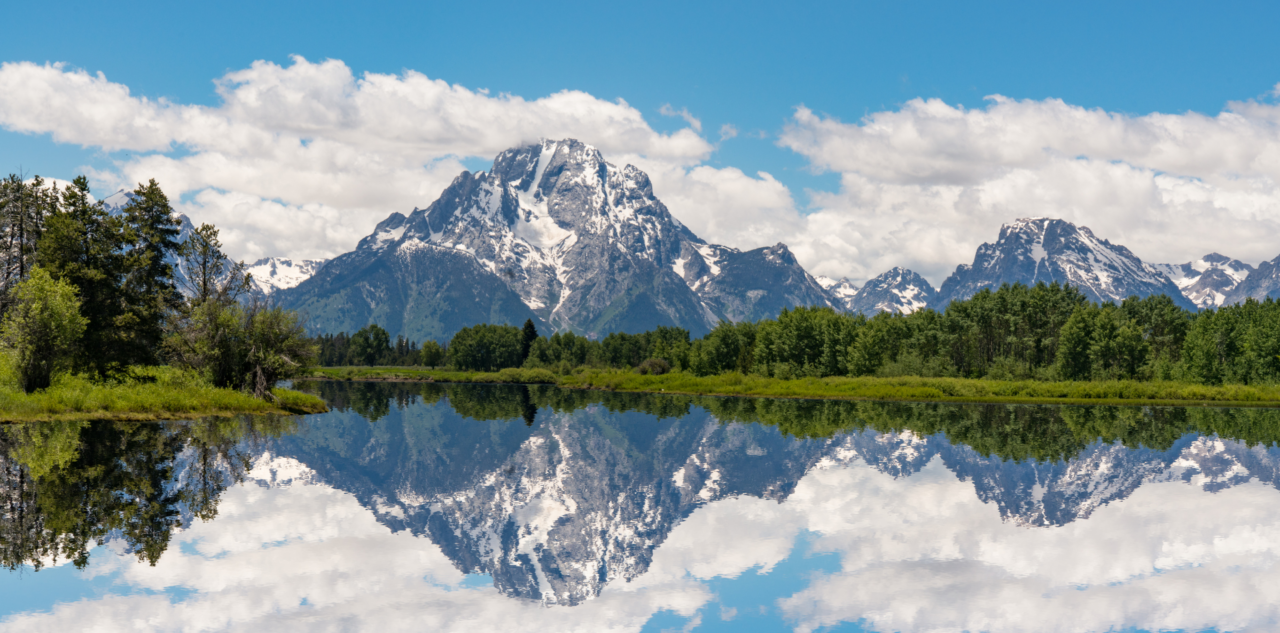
column 598, row 510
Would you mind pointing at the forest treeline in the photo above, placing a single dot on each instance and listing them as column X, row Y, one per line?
column 95, row 293
column 1016, row 332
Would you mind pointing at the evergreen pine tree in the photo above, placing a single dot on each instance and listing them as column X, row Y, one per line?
column 83, row 245
column 529, row 334
column 149, row 289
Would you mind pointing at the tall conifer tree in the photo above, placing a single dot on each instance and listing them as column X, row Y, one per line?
column 83, row 245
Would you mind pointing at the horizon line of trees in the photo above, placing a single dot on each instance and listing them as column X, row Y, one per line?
column 86, row 291
column 1015, row 332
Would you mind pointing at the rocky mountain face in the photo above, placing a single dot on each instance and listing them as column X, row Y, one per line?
column 750, row 285
column 412, row 288
column 898, row 290
column 1261, row 283
column 556, row 509
column 1048, row 250
column 584, row 245
column 842, row 291
column 1207, row 281
column 277, row 273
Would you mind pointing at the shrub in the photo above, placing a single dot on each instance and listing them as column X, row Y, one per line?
column 655, row 366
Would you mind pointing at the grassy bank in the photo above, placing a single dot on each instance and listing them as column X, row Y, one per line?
column 151, row 394
column 908, row 389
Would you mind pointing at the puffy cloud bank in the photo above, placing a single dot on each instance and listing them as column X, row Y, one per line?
column 924, row 185
column 303, row 159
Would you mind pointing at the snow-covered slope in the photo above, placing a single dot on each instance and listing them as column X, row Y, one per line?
column 897, row 290
column 585, row 245
column 1207, row 281
column 275, row 273
column 1043, row 249
column 842, row 291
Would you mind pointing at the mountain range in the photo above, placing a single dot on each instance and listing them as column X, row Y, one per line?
column 556, row 234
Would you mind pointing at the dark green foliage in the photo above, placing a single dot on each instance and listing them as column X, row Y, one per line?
column 148, row 289
column 529, row 334
column 1237, row 344
column 563, row 349
column 1044, row 332
column 72, row 484
column 486, row 348
column 42, row 326
column 805, row 342
column 369, row 344
column 729, row 347
column 655, row 366
column 248, row 347
column 23, row 209
column 84, row 246
column 432, row 354
column 338, row 350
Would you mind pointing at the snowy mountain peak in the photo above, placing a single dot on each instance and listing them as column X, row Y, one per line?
column 1262, row 283
column 842, row 290
column 1031, row 250
column 1207, row 281
column 271, row 274
column 896, row 290
column 116, row 202
column 583, row 243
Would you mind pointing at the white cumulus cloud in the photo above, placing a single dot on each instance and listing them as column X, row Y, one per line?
column 303, row 160
column 922, row 186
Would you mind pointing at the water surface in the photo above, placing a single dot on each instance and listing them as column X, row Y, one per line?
column 469, row 507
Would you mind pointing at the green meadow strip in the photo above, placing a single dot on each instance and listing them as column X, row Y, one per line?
column 167, row 396
column 910, row 389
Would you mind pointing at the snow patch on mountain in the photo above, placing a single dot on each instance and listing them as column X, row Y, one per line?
column 1207, row 281
column 1032, row 250
column 897, row 290
column 270, row 274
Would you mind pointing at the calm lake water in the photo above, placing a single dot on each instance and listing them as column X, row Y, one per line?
column 507, row 508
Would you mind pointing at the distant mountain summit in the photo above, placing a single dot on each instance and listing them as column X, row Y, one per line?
column 1207, row 281
column 582, row 244
column 897, row 290
column 1262, row 283
column 841, row 291
column 277, row 273
column 1042, row 249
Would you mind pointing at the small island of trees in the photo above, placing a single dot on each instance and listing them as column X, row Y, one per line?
column 114, row 306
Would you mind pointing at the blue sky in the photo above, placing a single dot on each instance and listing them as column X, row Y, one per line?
column 749, row 65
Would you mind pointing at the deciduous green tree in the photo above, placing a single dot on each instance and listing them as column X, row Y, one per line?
column 42, row 327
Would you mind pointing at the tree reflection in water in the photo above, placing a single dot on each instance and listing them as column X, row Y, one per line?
column 69, row 485
column 1012, row 432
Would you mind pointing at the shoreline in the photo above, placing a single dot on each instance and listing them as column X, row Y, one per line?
column 908, row 389
column 291, row 402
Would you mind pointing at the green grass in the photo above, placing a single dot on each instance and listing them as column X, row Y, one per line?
column 414, row 374
column 908, row 389
column 153, row 393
